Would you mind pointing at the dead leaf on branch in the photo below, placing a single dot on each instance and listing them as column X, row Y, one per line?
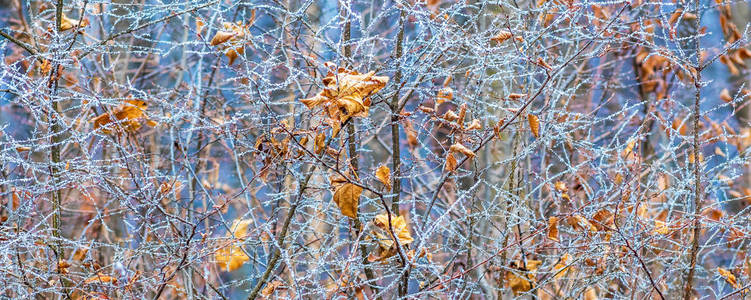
column 534, row 125
column 383, row 173
column 729, row 277
column 68, row 23
column 126, row 116
column 462, row 149
column 100, row 278
column 553, row 228
column 451, row 163
column 386, row 245
column 230, row 258
column 232, row 39
column 347, row 198
column 345, row 95
column 521, row 283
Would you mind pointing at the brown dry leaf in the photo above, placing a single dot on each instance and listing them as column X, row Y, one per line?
column 516, row 96
column 502, row 36
column 561, row 267
column 475, row 125
column 444, row 94
column 22, row 149
column 560, row 186
column 400, row 228
column 270, row 288
column 553, row 228
column 461, row 149
column 520, row 284
column 68, row 23
column 729, row 277
column 661, row 228
column 544, row 64
column 232, row 39
column 221, row 37
column 411, row 133
column 450, row 116
column 725, row 96
column 320, row 143
column 580, row 223
column 383, row 173
column 100, row 278
column 199, row 25
column 629, row 149
column 126, row 115
column 240, row 228
column 230, row 258
column 534, row 125
column 517, row 284
column 347, row 198
column 345, row 95
column 450, row 163
column 603, row 220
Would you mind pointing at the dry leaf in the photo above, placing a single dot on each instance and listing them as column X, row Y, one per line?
column 100, row 278
column 68, row 23
column 450, row 116
column 520, row 284
column 534, row 125
column 451, row 163
column 270, row 288
column 729, row 277
column 126, row 116
column 384, row 176
column 461, row 149
column 234, row 36
column 725, row 96
column 660, row 228
column 517, row 284
column 553, row 228
column 344, row 95
column 400, row 228
column 347, row 198
column 561, row 267
column 580, row 223
column 444, row 94
column 240, row 228
column 475, row 125
column 230, row 258
column 502, row 36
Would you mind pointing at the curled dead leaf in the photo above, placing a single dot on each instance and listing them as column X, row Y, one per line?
column 126, row 117
column 534, row 125
column 462, row 149
column 383, row 173
column 553, row 228
column 451, row 163
column 347, row 198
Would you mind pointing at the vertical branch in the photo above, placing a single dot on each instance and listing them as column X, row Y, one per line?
column 395, row 139
column 694, row 252
column 396, row 142
column 352, row 150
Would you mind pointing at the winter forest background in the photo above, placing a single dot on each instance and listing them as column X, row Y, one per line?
column 214, row 149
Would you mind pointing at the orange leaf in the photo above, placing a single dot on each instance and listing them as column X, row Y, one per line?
column 347, row 198
column 534, row 125
column 384, row 176
column 461, row 149
column 553, row 228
